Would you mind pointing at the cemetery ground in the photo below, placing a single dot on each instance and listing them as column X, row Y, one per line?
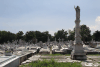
column 60, row 56
column 93, row 60
column 51, row 63
column 61, row 60
column 33, row 53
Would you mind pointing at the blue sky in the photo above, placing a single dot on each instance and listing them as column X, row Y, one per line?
column 47, row 15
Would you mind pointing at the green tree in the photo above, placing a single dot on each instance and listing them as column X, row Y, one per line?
column 6, row 36
column 71, row 35
column 85, row 33
column 60, row 34
column 30, row 35
column 45, row 36
column 19, row 35
column 38, row 35
column 42, row 36
column 96, row 35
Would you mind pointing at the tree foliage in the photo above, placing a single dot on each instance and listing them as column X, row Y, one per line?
column 61, row 34
column 43, row 36
column 19, row 35
column 6, row 36
column 85, row 33
column 30, row 35
column 71, row 35
column 96, row 35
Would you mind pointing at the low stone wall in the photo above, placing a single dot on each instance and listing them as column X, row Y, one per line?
column 92, row 52
column 61, row 52
column 69, row 51
column 58, row 52
column 15, row 62
column 25, row 57
column 42, row 53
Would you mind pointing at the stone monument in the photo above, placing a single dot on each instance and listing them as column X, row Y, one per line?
column 78, row 51
column 93, row 44
column 71, row 45
column 55, row 42
column 59, row 45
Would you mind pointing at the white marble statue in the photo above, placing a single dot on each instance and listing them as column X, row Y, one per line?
column 78, row 51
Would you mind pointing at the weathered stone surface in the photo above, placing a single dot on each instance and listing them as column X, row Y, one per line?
column 78, row 51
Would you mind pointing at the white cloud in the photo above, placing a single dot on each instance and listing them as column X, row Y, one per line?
column 96, row 26
column 52, row 32
column 93, row 28
column 97, row 19
column 58, row 29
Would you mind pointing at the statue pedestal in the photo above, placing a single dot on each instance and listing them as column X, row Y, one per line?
column 78, row 52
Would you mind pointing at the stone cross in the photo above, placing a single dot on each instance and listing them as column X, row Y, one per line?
column 20, row 41
column 59, row 45
column 40, row 43
column 48, row 40
column 55, row 42
column 59, row 40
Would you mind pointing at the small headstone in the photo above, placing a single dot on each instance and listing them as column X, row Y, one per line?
column 93, row 44
column 41, row 44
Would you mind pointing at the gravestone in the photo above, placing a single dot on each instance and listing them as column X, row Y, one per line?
column 48, row 41
column 59, row 45
column 20, row 42
column 50, row 48
column 8, row 52
column 41, row 44
column 71, row 45
column 55, row 42
column 93, row 44
column 78, row 51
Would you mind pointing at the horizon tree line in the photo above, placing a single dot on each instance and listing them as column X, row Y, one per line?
column 43, row 36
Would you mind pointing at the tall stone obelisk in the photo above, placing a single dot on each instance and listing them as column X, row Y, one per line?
column 78, row 51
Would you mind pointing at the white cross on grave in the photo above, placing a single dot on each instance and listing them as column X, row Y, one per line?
column 48, row 42
column 59, row 40
column 55, row 41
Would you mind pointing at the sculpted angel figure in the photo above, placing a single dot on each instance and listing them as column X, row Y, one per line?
column 77, row 12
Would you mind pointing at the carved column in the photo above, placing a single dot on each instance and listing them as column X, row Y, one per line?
column 78, row 51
